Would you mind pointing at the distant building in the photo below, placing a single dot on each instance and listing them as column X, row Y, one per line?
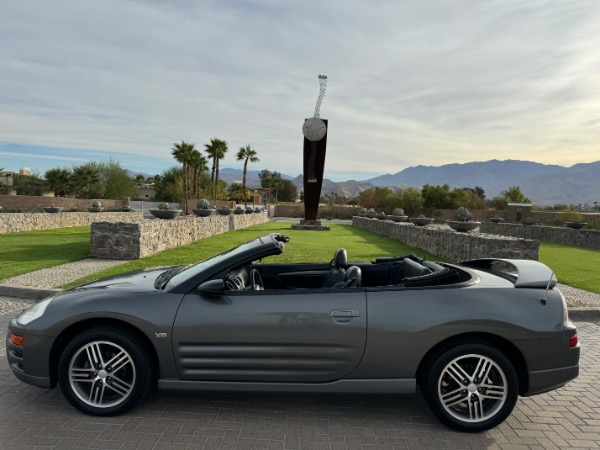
column 6, row 183
column 145, row 191
column 25, row 171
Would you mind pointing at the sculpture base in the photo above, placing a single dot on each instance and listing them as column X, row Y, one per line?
column 310, row 225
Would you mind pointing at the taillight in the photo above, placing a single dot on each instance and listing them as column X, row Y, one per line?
column 573, row 341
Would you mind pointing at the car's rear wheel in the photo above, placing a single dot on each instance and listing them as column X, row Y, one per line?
column 104, row 371
column 471, row 387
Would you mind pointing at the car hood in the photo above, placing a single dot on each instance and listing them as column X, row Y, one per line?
column 137, row 280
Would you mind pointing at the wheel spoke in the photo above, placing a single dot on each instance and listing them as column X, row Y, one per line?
column 457, row 373
column 485, row 365
column 81, row 374
column 453, row 397
column 96, row 394
column 95, row 355
column 119, row 386
column 118, row 361
column 494, row 392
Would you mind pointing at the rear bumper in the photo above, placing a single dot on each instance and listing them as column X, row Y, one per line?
column 541, row 381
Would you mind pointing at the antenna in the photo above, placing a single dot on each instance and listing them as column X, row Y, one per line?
column 543, row 300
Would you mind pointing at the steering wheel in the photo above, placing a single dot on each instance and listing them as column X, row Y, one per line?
column 256, row 280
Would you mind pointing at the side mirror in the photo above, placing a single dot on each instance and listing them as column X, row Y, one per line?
column 215, row 288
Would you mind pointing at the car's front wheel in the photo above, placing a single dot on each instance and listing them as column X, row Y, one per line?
column 104, row 371
column 471, row 387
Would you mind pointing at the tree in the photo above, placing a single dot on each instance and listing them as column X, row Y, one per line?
column 58, row 181
column 439, row 197
column 169, row 187
column 287, row 191
column 514, row 195
column 183, row 153
column 411, row 200
column 272, row 181
column 246, row 154
column 114, row 181
column 84, row 179
column 374, row 197
column 139, row 179
column 198, row 164
column 236, row 192
column 216, row 151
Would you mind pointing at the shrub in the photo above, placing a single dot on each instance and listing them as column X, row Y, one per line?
column 164, row 205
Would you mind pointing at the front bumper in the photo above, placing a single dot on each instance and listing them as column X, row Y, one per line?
column 30, row 362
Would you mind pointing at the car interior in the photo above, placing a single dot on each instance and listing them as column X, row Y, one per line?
column 406, row 271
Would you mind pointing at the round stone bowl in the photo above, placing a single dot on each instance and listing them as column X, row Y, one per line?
column 462, row 227
column 165, row 213
column 204, row 212
column 421, row 221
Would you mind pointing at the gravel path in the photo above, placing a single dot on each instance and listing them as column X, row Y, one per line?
column 579, row 297
column 59, row 275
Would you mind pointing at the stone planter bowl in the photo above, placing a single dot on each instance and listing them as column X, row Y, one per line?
column 96, row 209
column 575, row 225
column 224, row 212
column 127, row 209
column 257, row 210
column 462, row 227
column 239, row 211
column 165, row 213
column 496, row 219
column 528, row 221
column 53, row 209
column 204, row 212
column 421, row 221
column 398, row 218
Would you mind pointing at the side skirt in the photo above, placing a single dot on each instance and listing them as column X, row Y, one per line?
column 404, row 386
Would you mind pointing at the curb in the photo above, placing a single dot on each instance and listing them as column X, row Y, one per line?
column 584, row 314
column 26, row 292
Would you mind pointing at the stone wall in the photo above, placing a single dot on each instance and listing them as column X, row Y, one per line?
column 441, row 240
column 35, row 203
column 133, row 240
column 13, row 222
column 560, row 235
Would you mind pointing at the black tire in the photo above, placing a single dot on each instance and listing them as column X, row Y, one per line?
column 122, row 377
column 470, row 403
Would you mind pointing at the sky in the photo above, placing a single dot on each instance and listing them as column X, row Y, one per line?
column 409, row 83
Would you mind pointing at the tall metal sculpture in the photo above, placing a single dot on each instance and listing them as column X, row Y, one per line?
column 315, row 145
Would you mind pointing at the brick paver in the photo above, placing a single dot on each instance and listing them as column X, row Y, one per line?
column 33, row 418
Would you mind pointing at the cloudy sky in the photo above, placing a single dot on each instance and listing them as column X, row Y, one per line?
column 427, row 82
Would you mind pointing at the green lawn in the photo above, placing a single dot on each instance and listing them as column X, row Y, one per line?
column 576, row 266
column 304, row 246
column 33, row 250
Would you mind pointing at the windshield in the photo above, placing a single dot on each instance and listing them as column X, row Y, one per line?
column 194, row 270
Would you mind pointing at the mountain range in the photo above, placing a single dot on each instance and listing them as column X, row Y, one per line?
column 544, row 184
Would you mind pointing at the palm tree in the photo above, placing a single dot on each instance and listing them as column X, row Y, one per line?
column 198, row 164
column 216, row 151
column 84, row 179
column 58, row 180
column 246, row 154
column 183, row 153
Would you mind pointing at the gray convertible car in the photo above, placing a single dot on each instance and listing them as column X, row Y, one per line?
column 472, row 335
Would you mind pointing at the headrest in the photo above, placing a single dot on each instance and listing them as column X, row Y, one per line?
column 340, row 258
column 354, row 273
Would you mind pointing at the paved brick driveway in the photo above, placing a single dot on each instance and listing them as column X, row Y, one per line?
column 33, row 418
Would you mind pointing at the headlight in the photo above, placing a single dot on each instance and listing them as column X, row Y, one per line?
column 35, row 312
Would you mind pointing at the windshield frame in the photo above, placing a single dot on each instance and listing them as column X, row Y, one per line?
column 195, row 274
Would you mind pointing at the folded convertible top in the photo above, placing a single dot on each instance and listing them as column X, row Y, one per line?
column 525, row 273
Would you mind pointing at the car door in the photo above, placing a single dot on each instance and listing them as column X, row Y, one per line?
column 311, row 335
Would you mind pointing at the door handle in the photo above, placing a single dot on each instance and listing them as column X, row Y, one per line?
column 345, row 313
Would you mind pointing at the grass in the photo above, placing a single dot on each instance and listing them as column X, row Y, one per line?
column 304, row 246
column 33, row 250
column 576, row 266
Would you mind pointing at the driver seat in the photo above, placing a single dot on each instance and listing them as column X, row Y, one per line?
column 337, row 272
